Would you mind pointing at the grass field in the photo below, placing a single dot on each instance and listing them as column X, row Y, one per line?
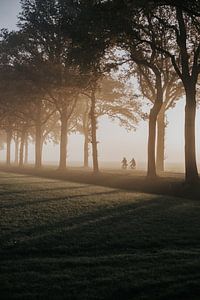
column 65, row 240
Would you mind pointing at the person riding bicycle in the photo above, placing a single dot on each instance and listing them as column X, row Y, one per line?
column 132, row 163
column 124, row 163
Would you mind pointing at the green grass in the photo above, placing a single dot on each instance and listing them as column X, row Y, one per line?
column 167, row 183
column 65, row 240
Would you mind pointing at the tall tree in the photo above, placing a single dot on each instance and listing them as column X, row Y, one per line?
column 179, row 22
column 184, row 30
column 49, row 45
column 172, row 91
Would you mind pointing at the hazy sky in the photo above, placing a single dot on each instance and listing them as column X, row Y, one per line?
column 115, row 142
column 8, row 11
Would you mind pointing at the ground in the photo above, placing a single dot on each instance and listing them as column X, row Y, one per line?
column 66, row 240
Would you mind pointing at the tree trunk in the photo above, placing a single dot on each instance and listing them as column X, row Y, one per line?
column 21, row 151
column 86, row 149
column 38, row 146
column 26, row 151
column 189, row 80
column 8, row 149
column 94, row 132
column 86, row 139
column 160, row 157
column 191, row 172
column 63, row 143
column 41, row 149
column 16, row 151
column 151, row 169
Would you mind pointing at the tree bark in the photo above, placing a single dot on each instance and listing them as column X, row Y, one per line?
column 63, row 143
column 160, row 157
column 26, row 151
column 38, row 146
column 21, row 151
column 86, row 139
column 191, row 172
column 38, row 137
column 94, row 132
column 16, row 150
column 189, row 79
column 151, row 168
column 8, row 149
column 86, row 149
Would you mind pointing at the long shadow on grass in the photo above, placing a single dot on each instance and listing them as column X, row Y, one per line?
column 23, row 192
column 64, row 198
column 72, row 223
column 60, row 236
column 164, row 185
column 147, row 249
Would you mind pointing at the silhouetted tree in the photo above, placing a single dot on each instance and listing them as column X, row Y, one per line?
column 172, row 91
column 147, row 22
column 49, row 50
column 183, row 48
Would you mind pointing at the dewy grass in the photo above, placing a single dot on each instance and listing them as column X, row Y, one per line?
column 65, row 240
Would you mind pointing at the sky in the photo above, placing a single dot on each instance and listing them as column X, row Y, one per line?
column 115, row 142
column 8, row 11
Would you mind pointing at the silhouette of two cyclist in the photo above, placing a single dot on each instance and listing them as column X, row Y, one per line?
column 124, row 163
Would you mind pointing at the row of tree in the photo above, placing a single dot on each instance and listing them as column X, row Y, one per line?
column 45, row 119
column 57, row 72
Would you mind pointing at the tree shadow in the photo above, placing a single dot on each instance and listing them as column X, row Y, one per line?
column 170, row 185
column 66, row 233
column 63, row 198
column 31, row 191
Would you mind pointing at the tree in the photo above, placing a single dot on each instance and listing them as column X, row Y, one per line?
column 115, row 100
column 179, row 24
column 93, row 120
column 49, row 46
column 172, row 91
column 104, row 36
column 146, row 57
column 148, row 22
column 185, row 55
